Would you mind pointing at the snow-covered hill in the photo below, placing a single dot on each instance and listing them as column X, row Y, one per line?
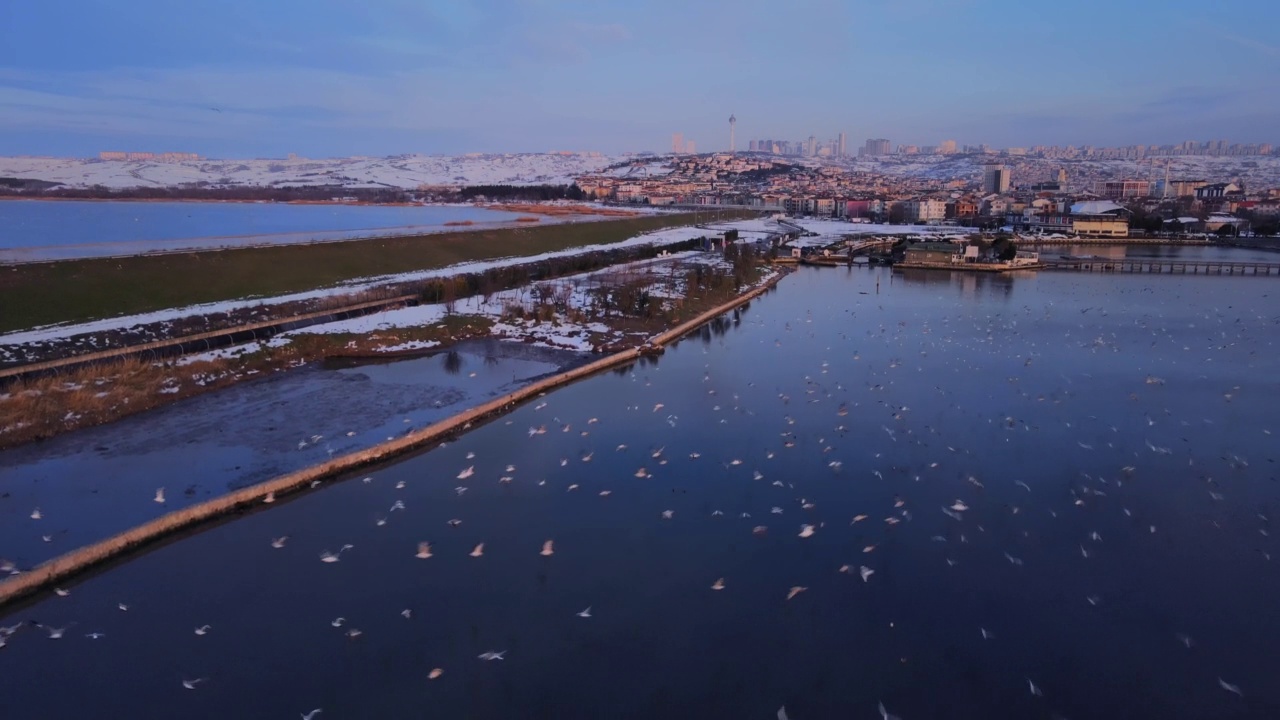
column 1254, row 171
column 401, row 171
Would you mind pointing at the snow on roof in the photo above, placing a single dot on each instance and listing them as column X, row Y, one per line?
column 1095, row 207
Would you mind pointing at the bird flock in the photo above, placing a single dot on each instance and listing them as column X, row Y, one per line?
column 844, row 461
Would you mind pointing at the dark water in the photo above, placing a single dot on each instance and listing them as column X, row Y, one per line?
column 1024, row 397
column 1163, row 252
column 88, row 484
column 51, row 230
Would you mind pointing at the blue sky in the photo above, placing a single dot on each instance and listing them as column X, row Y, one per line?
column 257, row 78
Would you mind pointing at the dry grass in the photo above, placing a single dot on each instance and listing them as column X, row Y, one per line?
column 36, row 408
column 45, row 406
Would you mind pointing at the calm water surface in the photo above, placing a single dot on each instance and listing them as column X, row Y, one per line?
column 53, row 230
column 1109, row 435
column 87, row 483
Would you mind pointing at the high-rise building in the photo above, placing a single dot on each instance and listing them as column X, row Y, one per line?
column 947, row 147
column 690, row 147
column 876, row 146
column 995, row 179
column 841, row 150
column 677, row 143
column 733, row 125
column 811, row 146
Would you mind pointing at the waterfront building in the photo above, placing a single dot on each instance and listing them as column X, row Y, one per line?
column 1099, row 218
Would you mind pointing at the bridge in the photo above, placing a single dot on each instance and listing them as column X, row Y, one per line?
column 1159, row 266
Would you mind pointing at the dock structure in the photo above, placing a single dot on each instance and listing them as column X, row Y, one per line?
column 1161, row 266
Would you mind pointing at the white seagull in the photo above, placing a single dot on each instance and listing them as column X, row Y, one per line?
column 329, row 557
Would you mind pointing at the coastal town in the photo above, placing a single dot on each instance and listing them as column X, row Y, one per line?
column 1086, row 193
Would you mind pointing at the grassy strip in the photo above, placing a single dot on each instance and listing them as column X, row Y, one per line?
column 78, row 290
column 42, row 407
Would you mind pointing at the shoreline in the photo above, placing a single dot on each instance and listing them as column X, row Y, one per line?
column 85, row 558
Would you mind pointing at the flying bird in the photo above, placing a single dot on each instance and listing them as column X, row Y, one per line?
column 1229, row 687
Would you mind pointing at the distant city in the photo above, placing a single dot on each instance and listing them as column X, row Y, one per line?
column 875, row 147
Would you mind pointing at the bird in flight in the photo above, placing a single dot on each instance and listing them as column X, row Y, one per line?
column 1229, row 687
column 329, row 557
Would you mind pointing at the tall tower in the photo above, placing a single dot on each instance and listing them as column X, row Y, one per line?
column 733, row 125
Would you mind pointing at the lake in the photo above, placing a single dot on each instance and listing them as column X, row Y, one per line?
column 1101, row 445
column 33, row 230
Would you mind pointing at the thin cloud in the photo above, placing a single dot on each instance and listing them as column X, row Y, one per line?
column 1264, row 48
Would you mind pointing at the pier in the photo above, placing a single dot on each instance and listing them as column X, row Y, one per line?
column 1159, row 266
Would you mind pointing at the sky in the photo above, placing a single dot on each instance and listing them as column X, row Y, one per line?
column 321, row 78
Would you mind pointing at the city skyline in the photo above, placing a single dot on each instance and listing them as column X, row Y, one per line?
column 507, row 76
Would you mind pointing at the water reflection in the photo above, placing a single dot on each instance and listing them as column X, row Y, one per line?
column 1106, row 439
column 452, row 362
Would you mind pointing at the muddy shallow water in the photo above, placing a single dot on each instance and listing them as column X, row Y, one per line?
column 95, row 482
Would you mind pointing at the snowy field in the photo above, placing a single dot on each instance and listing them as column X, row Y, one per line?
column 669, row 236
column 400, row 171
column 663, row 275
